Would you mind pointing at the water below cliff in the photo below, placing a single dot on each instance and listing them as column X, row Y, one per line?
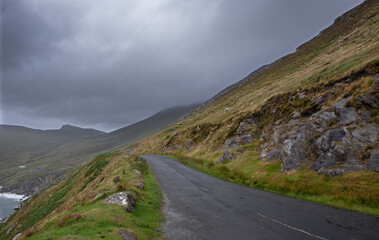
column 8, row 202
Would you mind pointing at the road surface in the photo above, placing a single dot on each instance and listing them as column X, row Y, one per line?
column 199, row 206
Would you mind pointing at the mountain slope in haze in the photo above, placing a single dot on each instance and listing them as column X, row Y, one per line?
column 20, row 144
column 306, row 125
column 48, row 154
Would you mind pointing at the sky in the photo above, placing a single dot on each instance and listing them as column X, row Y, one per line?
column 107, row 64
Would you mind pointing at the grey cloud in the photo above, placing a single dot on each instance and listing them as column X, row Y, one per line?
column 110, row 63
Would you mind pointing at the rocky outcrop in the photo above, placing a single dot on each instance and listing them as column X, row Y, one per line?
column 124, row 199
column 31, row 186
column 328, row 138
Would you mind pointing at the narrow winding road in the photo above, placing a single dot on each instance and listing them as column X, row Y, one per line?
column 198, row 206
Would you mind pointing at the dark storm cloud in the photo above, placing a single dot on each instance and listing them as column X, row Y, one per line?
column 107, row 64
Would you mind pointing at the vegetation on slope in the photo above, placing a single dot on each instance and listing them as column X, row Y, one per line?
column 340, row 62
column 69, row 209
column 49, row 154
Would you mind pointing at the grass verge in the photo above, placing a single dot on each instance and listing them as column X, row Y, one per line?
column 352, row 191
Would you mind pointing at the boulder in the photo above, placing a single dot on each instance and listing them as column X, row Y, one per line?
column 226, row 156
column 124, row 199
column 374, row 160
column 302, row 95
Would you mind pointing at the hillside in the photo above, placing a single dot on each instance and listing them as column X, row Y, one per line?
column 305, row 125
column 48, row 154
column 75, row 208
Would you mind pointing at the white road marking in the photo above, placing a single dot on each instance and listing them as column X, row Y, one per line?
column 297, row 229
column 205, row 189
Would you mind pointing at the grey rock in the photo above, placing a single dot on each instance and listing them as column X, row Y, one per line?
column 99, row 195
column 124, row 199
column 329, row 139
column 376, row 82
column 141, row 184
column 367, row 134
column 302, row 95
column 296, row 115
column 332, row 171
column 273, row 155
column 326, row 160
column 317, row 100
column 126, row 235
column 347, row 115
column 10, row 228
column 197, row 129
column 226, row 156
column 175, row 134
column 189, row 144
column 263, row 154
column 323, row 118
column 366, row 115
column 226, row 109
column 292, row 154
column 243, row 128
column 341, row 103
column 374, row 160
column 369, row 101
column 17, row 236
column 233, row 142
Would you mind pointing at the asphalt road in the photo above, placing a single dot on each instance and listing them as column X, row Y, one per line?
column 199, row 206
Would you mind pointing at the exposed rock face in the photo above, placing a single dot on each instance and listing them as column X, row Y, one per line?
column 124, row 199
column 331, row 141
column 31, row 186
column 233, row 142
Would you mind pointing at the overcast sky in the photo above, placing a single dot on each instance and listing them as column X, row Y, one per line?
column 106, row 64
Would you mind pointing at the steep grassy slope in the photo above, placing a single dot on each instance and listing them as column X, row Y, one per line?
column 339, row 63
column 69, row 209
column 48, row 154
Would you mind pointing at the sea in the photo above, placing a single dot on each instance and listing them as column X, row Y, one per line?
column 8, row 201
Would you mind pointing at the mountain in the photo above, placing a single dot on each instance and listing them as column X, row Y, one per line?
column 306, row 126
column 46, row 154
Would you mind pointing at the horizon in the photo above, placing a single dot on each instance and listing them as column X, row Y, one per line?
column 157, row 55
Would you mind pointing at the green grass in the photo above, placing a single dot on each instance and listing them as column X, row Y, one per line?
column 67, row 211
column 105, row 219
